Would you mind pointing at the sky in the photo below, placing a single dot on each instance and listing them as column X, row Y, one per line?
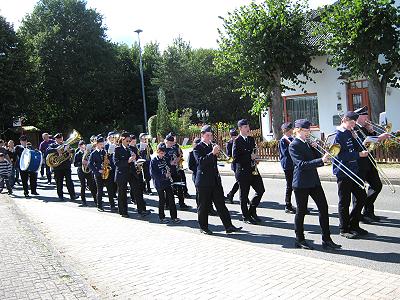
column 195, row 21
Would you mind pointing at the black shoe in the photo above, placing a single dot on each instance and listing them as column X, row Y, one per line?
column 144, row 213
column 125, row 216
column 184, row 207
column 84, row 204
column 255, row 218
column 35, row 193
column 349, row 235
column 232, row 229
column 359, row 231
column 290, row 210
column 113, row 209
column 73, row 198
column 26, row 196
column 303, row 245
column 206, row 231
column 375, row 218
column 366, row 219
column 330, row 245
column 61, row 198
column 249, row 221
column 229, row 198
column 100, row 209
column 213, row 212
column 10, row 192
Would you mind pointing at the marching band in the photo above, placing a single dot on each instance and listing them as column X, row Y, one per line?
column 120, row 161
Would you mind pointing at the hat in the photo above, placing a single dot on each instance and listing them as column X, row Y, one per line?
column 206, row 128
column 351, row 115
column 172, row 133
column 111, row 133
column 162, row 147
column 196, row 141
column 287, row 126
column 133, row 137
column 142, row 135
column 58, row 135
column 23, row 138
column 302, row 123
column 81, row 142
column 170, row 137
column 233, row 132
column 125, row 134
column 99, row 139
column 243, row 122
column 362, row 111
column 1, row 154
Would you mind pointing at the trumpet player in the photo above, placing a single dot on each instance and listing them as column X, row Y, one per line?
column 162, row 180
column 145, row 152
column 306, row 183
column 367, row 171
column 208, row 183
column 350, row 153
column 229, row 146
column 64, row 169
column 246, row 173
column 85, row 179
column 96, row 164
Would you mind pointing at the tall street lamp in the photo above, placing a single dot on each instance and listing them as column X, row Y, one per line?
column 138, row 31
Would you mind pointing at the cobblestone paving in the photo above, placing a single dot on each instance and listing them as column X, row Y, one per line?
column 29, row 268
column 134, row 259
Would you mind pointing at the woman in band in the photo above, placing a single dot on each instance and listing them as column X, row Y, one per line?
column 306, row 183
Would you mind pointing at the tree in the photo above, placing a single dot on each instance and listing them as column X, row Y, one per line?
column 363, row 37
column 265, row 44
column 163, row 124
column 14, row 75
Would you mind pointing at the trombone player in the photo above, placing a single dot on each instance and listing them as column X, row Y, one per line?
column 349, row 155
column 368, row 171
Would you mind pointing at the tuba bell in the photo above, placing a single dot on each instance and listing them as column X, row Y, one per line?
column 54, row 160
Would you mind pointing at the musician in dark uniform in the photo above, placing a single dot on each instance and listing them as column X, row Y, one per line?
column 85, row 179
column 64, row 169
column 246, row 174
column 136, row 182
column 229, row 146
column 25, row 175
column 306, row 183
column 145, row 152
column 162, row 179
column 287, row 164
column 367, row 171
column 208, row 183
column 109, row 147
column 172, row 156
column 350, row 152
column 96, row 164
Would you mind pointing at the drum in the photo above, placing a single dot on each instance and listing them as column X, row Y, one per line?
column 30, row 160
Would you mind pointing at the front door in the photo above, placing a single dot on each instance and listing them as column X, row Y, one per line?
column 357, row 95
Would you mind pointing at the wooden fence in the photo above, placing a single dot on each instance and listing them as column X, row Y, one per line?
column 269, row 151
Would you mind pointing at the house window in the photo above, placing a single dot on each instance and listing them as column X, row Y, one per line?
column 302, row 107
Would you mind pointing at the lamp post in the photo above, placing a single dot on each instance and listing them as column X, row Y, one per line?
column 203, row 114
column 138, row 31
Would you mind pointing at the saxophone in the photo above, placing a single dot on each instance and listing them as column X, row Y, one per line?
column 106, row 167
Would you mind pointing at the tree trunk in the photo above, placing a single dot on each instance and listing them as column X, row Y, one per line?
column 376, row 94
column 277, row 106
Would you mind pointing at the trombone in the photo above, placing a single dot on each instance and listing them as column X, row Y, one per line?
column 380, row 129
column 333, row 151
column 382, row 174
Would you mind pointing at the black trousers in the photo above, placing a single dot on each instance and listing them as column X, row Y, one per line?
column 59, row 175
column 100, row 183
column 207, row 195
column 137, row 189
column 146, row 175
column 166, row 195
column 46, row 168
column 86, row 179
column 289, row 189
column 347, row 187
column 182, row 176
column 179, row 190
column 254, row 181
column 122, row 197
column 318, row 195
column 234, row 189
column 375, row 186
column 32, row 181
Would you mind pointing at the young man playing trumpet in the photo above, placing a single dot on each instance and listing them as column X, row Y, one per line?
column 208, row 183
column 306, row 183
column 350, row 183
column 367, row 170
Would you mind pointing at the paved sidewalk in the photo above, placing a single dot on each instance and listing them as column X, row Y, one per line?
column 134, row 259
column 29, row 268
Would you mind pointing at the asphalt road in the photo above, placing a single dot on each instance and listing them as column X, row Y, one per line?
column 380, row 250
